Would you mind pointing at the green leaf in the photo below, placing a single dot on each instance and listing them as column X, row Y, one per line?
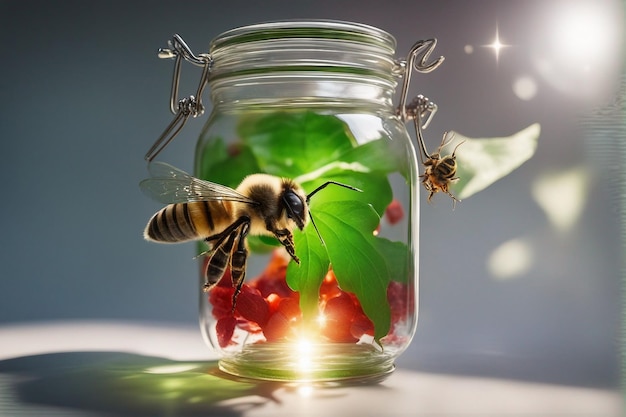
column 481, row 162
column 363, row 263
column 307, row 277
column 227, row 165
column 347, row 229
column 291, row 144
column 377, row 156
column 395, row 254
column 375, row 188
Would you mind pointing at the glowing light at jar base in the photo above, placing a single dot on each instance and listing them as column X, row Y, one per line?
column 305, row 351
column 321, row 321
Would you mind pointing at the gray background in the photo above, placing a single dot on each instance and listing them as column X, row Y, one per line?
column 83, row 96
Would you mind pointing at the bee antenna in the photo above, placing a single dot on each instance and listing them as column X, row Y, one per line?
column 445, row 140
column 326, row 184
column 316, row 229
column 321, row 187
column 455, row 148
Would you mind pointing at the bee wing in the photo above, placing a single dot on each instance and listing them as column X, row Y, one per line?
column 169, row 184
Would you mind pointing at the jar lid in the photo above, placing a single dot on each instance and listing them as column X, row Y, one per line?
column 304, row 46
column 307, row 29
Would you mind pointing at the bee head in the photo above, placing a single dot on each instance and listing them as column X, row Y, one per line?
column 295, row 207
column 432, row 159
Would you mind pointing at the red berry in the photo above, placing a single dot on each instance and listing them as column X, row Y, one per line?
column 401, row 300
column 340, row 308
column 273, row 301
column 394, row 212
column 338, row 330
column 339, row 313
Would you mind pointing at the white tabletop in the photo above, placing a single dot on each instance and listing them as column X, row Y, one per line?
column 135, row 369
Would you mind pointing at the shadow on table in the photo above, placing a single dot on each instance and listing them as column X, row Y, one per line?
column 126, row 384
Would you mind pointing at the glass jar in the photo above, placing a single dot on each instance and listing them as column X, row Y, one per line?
column 311, row 101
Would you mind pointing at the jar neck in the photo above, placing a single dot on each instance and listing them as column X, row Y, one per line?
column 304, row 62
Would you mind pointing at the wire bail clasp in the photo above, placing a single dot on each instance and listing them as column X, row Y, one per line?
column 418, row 107
column 186, row 106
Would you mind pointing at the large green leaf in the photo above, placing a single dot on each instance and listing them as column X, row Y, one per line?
column 481, row 162
column 363, row 263
column 292, row 143
column 347, row 229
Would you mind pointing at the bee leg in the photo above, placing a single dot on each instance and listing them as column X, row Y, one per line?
column 285, row 237
column 238, row 260
column 454, row 199
column 221, row 252
column 219, row 260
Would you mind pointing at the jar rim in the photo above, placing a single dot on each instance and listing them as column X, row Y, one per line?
column 306, row 29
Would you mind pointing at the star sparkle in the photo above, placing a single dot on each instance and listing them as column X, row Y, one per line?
column 496, row 45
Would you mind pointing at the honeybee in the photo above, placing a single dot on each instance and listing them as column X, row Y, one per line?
column 197, row 209
column 439, row 172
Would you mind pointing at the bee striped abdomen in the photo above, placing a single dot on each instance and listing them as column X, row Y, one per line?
column 182, row 222
column 447, row 167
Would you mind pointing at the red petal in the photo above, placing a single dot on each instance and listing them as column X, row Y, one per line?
column 221, row 298
column 277, row 327
column 225, row 327
column 289, row 307
column 361, row 325
column 251, row 306
column 272, row 280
